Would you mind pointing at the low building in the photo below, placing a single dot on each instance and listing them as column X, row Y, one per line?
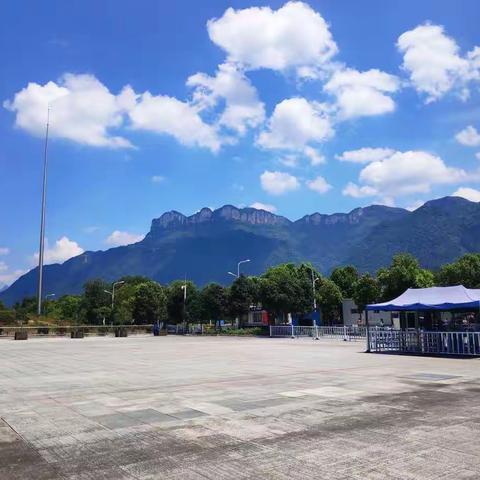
column 352, row 316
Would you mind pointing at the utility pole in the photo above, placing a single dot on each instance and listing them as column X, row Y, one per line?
column 184, row 288
column 313, row 290
column 42, row 220
column 112, row 293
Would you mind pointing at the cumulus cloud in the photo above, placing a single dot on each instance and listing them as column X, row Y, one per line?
column 4, row 251
column 314, row 156
column 434, row 63
column 82, row 110
column 294, row 124
column 319, row 185
column 468, row 193
column 278, row 183
column 294, row 37
column 119, row 238
column 63, row 249
column 242, row 109
column 167, row 115
column 362, row 93
column 355, row 191
column 469, row 137
column 264, row 206
column 404, row 173
column 365, row 155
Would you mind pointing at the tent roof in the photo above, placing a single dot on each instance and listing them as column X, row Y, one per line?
column 434, row 298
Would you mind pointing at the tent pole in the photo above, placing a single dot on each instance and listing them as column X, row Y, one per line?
column 368, row 331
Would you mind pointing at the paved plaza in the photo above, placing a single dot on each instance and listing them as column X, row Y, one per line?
column 233, row 408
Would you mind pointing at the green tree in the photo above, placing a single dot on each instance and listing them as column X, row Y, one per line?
column 367, row 290
column 150, row 303
column 175, row 303
column 464, row 271
column 243, row 292
column 67, row 308
column 345, row 278
column 96, row 304
column 284, row 289
column 25, row 308
column 213, row 302
column 404, row 272
column 329, row 300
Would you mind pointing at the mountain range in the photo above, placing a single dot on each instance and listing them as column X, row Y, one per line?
column 205, row 246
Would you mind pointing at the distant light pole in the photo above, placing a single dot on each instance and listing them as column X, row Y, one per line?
column 112, row 293
column 314, row 323
column 237, row 275
column 314, row 280
column 46, row 298
column 184, row 288
column 42, row 220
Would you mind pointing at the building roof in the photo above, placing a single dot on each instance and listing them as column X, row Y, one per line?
column 434, row 298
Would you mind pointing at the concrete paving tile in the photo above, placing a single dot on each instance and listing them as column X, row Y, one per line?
column 272, row 409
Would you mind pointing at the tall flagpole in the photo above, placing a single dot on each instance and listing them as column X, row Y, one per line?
column 42, row 221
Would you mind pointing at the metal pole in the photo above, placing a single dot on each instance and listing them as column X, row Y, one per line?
column 42, row 220
column 368, row 330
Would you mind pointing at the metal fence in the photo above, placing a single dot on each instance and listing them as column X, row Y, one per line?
column 338, row 332
column 441, row 343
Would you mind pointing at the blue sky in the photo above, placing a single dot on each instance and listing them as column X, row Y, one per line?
column 300, row 107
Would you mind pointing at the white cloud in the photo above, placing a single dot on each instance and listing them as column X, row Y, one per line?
column 477, row 155
column 242, row 109
column 469, row 137
column 63, row 249
column 7, row 276
column 167, row 115
column 82, row 110
column 91, row 229
column 119, row 238
column 468, row 193
column 292, row 37
column 157, row 179
column 4, row 251
column 434, row 63
column 355, row 191
column 277, row 183
column 362, row 93
column 264, row 206
column 314, row 156
column 417, row 204
column 365, row 155
column 319, row 185
column 290, row 161
column 294, row 124
column 404, row 173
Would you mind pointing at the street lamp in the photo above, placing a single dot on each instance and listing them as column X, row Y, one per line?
column 314, row 280
column 237, row 275
column 184, row 288
column 112, row 293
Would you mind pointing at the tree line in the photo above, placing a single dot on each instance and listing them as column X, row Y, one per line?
column 282, row 289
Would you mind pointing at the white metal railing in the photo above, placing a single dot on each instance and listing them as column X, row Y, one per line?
column 444, row 343
column 338, row 332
